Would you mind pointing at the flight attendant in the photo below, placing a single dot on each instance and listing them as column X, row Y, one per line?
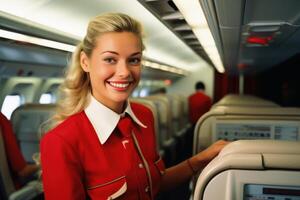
column 103, row 146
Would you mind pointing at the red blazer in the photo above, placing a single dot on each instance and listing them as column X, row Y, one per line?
column 76, row 166
column 199, row 103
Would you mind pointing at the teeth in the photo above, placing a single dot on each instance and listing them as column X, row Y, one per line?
column 119, row 85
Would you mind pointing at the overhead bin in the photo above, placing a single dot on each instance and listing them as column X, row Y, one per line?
column 258, row 34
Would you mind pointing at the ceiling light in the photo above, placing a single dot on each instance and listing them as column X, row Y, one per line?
column 193, row 14
column 71, row 48
column 163, row 67
column 35, row 40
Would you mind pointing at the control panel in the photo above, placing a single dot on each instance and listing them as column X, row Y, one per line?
column 243, row 129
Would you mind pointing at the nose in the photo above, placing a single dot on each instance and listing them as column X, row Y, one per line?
column 122, row 69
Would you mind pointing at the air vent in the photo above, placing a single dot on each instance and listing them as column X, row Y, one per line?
column 167, row 12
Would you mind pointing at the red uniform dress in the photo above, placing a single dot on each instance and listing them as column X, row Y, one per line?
column 86, row 157
column 199, row 103
column 15, row 158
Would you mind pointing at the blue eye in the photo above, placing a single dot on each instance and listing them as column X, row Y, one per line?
column 134, row 61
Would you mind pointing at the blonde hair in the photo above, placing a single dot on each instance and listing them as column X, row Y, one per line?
column 74, row 92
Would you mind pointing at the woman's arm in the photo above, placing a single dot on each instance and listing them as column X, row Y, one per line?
column 28, row 170
column 61, row 170
column 182, row 172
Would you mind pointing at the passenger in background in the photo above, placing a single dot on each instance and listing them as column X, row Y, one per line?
column 103, row 146
column 20, row 170
column 199, row 103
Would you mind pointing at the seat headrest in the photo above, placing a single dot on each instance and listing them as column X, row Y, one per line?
column 262, row 147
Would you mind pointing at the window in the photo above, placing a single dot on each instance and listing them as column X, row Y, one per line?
column 47, row 98
column 11, row 102
column 144, row 92
column 135, row 93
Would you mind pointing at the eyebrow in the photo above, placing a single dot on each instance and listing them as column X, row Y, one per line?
column 113, row 52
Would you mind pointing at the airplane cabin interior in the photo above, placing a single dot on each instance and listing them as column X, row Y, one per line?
column 255, row 96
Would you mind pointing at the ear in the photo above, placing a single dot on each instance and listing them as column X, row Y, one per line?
column 84, row 61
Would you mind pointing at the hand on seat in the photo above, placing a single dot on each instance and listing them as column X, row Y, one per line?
column 200, row 160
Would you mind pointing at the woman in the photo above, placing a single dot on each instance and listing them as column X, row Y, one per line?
column 97, row 151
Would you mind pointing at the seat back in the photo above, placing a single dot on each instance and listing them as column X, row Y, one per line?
column 6, row 180
column 165, row 115
column 252, row 169
column 185, row 116
column 244, row 101
column 177, row 109
column 27, row 120
column 166, row 128
column 149, row 104
column 235, row 123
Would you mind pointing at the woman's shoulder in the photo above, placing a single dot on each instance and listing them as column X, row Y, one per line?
column 140, row 109
column 142, row 112
column 69, row 128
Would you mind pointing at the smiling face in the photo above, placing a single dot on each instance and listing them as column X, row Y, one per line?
column 114, row 68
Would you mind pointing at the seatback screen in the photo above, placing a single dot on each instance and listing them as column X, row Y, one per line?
column 264, row 192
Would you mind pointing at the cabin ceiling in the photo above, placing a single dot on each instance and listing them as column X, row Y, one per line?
column 67, row 20
column 240, row 26
column 167, row 12
column 233, row 23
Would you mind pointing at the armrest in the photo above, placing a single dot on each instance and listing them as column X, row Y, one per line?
column 29, row 191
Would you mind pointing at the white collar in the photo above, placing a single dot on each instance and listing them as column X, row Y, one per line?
column 105, row 120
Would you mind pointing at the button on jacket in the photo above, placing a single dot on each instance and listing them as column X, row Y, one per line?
column 78, row 162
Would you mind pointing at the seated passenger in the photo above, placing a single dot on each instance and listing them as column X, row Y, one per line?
column 20, row 170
